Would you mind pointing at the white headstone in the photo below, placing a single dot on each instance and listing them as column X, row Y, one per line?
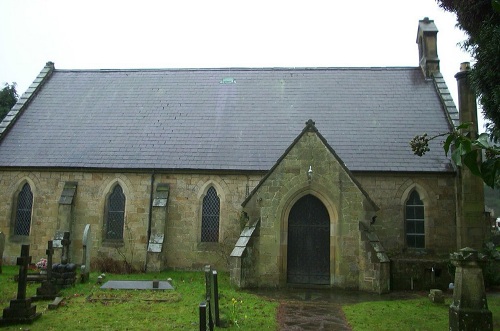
column 87, row 244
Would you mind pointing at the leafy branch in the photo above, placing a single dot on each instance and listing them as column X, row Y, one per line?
column 465, row 151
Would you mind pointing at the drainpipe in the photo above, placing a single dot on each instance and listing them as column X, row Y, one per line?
column 150, row 218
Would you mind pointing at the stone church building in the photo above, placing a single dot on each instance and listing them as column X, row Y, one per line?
column 282, row 176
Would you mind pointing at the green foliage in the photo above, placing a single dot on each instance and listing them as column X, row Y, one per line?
column 491, row 271
column 8, row 98
column 466, row 151
column 480, row 20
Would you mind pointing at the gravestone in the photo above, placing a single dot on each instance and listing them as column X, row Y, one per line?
column 64, row 273
column 65, row 248
column 48, row 290
column 20, row 309
column 87, row 244
column 469, row 310
column 2, row 246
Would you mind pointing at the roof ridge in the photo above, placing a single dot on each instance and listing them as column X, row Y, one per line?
column 239, row 69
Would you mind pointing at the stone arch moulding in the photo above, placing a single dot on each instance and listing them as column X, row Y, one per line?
column 286, row 205
column 215, row 182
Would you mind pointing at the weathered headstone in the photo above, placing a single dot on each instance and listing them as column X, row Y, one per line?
column 2, row 246
column 469, row 310
column 87, row 244
column 20, row 309
column 436, row 296
column 48, row 290
column 65, row 248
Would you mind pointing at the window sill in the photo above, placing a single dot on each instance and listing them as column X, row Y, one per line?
column 115, row 243
column 208, row 246
column 19, row 239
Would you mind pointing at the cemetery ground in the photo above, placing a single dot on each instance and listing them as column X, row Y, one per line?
column 87, row 307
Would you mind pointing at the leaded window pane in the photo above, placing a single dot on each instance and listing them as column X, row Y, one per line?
column 116, row 214
column 210, row 216
column 23, row 212
column 415, row 223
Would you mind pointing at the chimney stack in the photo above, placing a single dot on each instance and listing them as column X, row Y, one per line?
column 427, row 47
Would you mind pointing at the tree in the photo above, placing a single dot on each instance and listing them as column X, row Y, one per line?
column 480, row 20
column 8, row 98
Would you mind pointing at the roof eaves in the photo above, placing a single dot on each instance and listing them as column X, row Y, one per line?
column 25, row 99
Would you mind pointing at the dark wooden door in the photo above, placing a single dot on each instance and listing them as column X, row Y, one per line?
column 308, row 252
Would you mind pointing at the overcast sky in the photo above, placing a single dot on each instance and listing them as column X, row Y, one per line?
column 103, row 34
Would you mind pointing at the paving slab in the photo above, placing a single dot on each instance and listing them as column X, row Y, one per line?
column 136, row 285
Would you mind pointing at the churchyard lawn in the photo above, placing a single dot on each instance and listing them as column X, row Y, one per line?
column 87, row 307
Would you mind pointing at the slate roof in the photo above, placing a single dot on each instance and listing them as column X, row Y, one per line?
column 226, row 119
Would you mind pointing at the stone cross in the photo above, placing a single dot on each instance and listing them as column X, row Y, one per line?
column 23, row 261
column 87, row 244
column 20, row 309
column 65, row 248
column 2, row 246
column 50, row 253
column 48, row 290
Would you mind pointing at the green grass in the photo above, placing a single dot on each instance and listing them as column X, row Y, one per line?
column 87, row 307
column 414, row 314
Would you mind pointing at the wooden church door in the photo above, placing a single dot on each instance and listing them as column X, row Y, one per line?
column 308, row 248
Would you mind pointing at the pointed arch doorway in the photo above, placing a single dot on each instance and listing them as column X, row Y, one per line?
column 308, row 247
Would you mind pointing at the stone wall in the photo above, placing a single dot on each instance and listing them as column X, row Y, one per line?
column 182, row 248
column 390, row 193
column 332, row 184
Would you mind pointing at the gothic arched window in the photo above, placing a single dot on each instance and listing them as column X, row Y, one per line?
column 22, row 223
column 210, row 216
column 414, row 221
column 115, row 215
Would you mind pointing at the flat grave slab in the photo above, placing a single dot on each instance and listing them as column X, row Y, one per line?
column 136, row 285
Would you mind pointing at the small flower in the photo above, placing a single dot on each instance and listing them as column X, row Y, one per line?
column 42, row 264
